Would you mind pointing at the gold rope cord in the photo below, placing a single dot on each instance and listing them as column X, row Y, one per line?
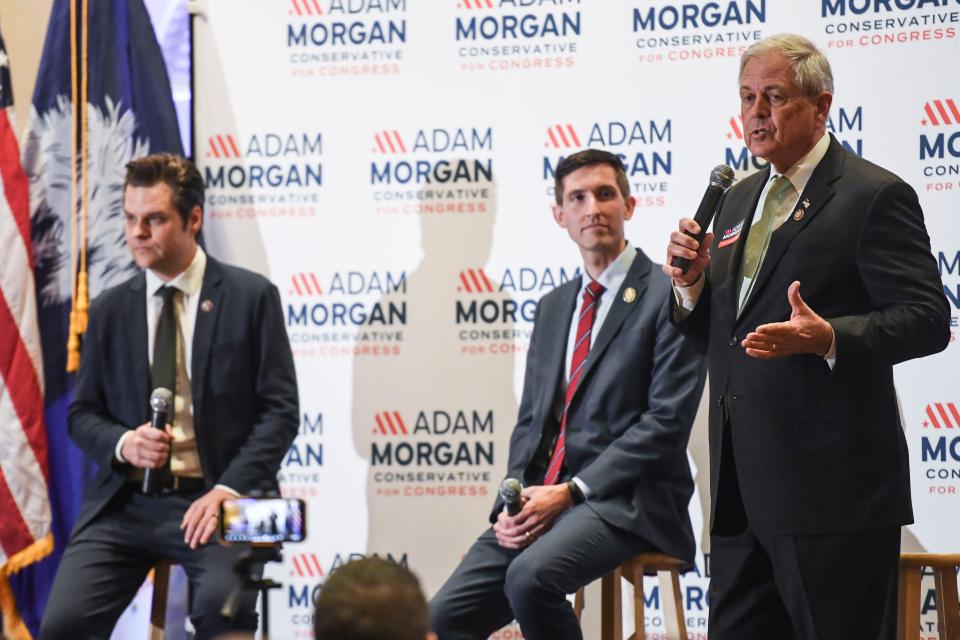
column 73, row 338
column 83, row 293
column 80, row 294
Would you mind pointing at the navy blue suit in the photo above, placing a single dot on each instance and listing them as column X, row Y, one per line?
column 246, row 415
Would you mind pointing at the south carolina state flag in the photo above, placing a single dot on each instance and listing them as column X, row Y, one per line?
column 102, row 98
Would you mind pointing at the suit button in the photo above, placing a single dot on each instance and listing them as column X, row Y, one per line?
column 719, row 401
column 733, row 397
column 733, row 341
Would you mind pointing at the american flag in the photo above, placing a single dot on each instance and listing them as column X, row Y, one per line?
column 25, row 524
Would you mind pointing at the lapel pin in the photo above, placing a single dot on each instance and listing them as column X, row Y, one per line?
column 798, row 214
column 806, row 203
column 629, row 295
column 206, row 306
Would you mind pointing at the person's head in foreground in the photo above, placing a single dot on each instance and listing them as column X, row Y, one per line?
column 371, row 599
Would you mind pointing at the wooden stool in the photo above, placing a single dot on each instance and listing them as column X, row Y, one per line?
column 158, row 607
column 611, row 616
column 908, row 594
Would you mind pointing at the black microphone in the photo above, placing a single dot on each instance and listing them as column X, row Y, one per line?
column 720, row 180
column 510, row 490
column 161, row 402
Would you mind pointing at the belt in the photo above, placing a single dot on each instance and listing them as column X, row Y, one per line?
column 180, row 485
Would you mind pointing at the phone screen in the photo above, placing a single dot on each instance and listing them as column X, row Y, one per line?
column 262, row 520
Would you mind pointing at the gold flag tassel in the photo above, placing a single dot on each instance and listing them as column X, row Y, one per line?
column 80, row 299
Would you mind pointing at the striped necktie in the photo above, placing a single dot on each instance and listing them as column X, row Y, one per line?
column 588, row 312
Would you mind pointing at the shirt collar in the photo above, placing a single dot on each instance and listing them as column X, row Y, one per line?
column 189, row 280
column 616, row 271
column 799, row 174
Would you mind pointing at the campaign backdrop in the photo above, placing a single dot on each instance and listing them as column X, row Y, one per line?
column 388, row 165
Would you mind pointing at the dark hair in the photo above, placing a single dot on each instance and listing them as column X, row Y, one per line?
column 371, row 599
column 176, row 172
column 585, row 158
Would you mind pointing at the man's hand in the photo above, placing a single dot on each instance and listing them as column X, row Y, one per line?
column 202, row 517
column 805, row 332
column 683, row 246
column 146, row 447
column 541, row 506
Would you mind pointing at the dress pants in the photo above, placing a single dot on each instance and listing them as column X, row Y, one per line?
column 766, row 586
column 107, row 561
column 493, row 585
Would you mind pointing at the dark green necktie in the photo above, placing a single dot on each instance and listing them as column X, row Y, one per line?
column 163, row 372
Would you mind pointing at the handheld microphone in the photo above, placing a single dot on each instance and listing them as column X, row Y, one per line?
column 720, row 180
column 161, row 402
column 510, row 490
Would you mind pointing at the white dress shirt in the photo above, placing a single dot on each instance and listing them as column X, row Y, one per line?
column 611, row 278
column 189, row 283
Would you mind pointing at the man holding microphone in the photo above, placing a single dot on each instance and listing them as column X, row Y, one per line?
column 212, row 336
column 818, row 278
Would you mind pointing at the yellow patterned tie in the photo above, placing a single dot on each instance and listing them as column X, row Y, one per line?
column 759, row 237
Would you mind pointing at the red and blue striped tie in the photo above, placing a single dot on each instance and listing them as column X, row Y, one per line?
column 581, row 347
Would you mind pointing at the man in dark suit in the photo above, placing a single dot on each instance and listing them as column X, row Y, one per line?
column 809, row 473
column 214, row 335
column 610, row 393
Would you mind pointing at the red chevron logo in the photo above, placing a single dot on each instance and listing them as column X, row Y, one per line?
column 475, row 4
column 474, row 281
column 305, row 8
column 222, row 146
column 562, row 136
column 736, row 128
column 305, row 284
column 388, row 142
column 941, row 113
column 306, row 565
column 942, row 415
column 389, row 423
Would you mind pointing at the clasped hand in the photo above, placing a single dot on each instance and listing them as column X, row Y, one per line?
column 541, row 506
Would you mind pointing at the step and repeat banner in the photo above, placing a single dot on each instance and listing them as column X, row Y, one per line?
column 389, row 163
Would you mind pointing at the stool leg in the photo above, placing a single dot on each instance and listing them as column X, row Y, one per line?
column 948, row 607
column 158, row 606
column 908, row 603
column 672, row 604
column 611, row 615
column 639, row 619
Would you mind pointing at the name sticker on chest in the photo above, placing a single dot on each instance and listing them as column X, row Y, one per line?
column 731, row 235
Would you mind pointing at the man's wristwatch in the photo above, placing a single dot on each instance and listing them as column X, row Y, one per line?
column 576, row 493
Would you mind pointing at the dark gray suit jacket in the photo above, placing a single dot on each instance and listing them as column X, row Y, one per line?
column 820, row 450
column 630, row 418
column 244, row 387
